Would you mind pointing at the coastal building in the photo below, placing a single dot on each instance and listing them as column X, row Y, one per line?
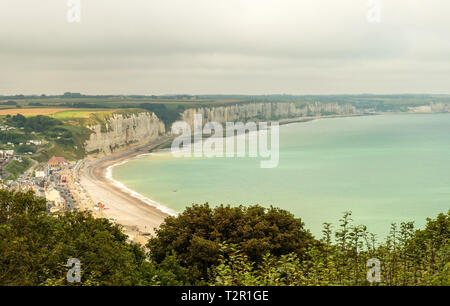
column 36, row 142
column 41, row 174
column 57, row 162
column 6, row 153
column 17, row 158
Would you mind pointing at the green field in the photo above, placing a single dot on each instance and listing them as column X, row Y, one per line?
column 83, row 110
column 76, row 114
column 83, row 101
column 84, row 117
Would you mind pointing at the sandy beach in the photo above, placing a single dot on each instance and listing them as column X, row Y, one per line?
column 138, row 217
column 137, row 214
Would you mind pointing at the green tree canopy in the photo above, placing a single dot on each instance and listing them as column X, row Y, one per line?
column 35, row 247
column 196, row 234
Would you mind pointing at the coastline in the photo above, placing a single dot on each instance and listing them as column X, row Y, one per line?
column 138, row 215
column 135, row 194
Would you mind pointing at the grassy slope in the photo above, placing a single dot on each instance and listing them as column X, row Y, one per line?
column 77, row 121
column 15, row 168
column 69, row 151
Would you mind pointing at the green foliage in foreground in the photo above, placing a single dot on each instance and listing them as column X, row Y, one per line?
column 35, row 247
column 195, row 236
column 256, row 246
column 205, row 246
column 408, row 258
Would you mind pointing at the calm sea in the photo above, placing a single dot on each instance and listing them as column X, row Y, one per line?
column 385, row 169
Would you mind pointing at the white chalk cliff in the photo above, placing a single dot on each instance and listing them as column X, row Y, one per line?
column 122, row 130
column 265, row 111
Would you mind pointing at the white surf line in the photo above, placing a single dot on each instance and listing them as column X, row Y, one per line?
column 135, row 194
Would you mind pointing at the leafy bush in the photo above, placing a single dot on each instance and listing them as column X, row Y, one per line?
column 15, row 167
column 220, row 246
column 35, row 247
column 38, row 123
column 196, row 234
column 408, row 258
column 14, row 137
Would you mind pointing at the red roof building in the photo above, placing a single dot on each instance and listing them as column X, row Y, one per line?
column 57, row 161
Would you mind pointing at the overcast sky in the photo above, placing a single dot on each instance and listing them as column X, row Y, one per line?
column 224, row 46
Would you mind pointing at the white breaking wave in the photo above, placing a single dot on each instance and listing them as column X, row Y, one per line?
column 135, row 194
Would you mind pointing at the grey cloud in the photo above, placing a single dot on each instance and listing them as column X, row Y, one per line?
column 224, row 46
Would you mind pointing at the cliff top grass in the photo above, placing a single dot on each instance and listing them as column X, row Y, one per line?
column 88, row 117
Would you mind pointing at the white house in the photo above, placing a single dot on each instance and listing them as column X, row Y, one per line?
column 36, row 142
column 40, row 174
column 6, row 153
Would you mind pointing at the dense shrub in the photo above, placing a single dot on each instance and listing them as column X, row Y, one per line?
column 220, row 246
column 196, row 234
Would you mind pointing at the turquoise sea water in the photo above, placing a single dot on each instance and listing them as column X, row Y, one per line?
column 385, row 169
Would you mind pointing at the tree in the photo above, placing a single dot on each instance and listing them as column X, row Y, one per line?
column 196, row 234
column 221, row 246
column 419, row 257
column 35, row 247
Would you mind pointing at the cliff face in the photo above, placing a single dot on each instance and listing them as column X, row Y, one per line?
column 431, row 108
column 265, row 112
column 121, row 130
